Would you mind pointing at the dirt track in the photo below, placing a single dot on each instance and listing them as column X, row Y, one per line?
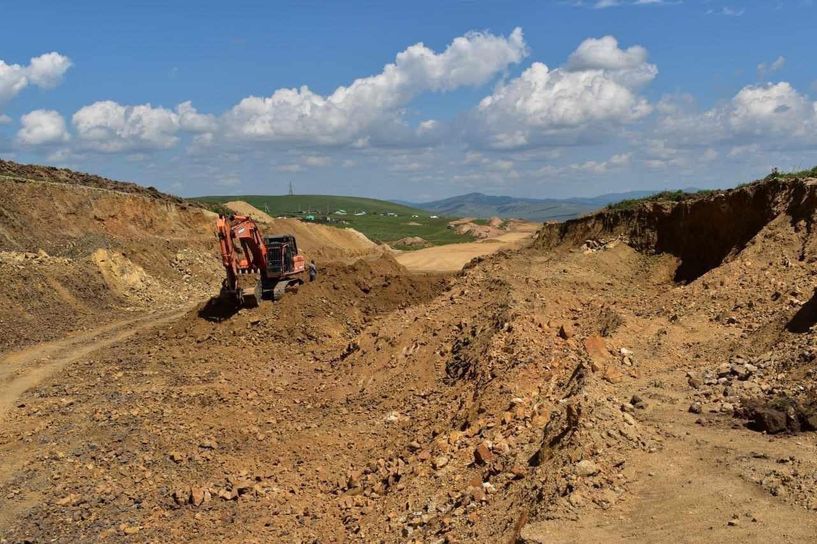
column 452, row 257
column 21, row 370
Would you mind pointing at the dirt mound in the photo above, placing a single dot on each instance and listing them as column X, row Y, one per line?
column 467, row 226
column 245, row 208
column 412, row 242
column 76, row 254
column 32, row 173
column 315, row 241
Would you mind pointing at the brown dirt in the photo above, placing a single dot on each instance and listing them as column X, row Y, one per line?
column 316, row 241
column 542, row 395
column 452, row 257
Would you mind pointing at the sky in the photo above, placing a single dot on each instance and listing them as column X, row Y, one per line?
column 411, row 100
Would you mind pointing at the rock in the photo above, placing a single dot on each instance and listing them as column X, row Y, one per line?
column 208, row 444
column 741, row 372
column 519, row 471
column 483, row 454
column 70, row 500
column 695, row 382
column 199, row 496
column 586, row 468
column 613, row 375
column 129, row 529
column 638, row 402
column 439, row 462
column 768, row 420
column 176, row 457
column 596, row 348
column 724, row 370
column 566, row 331
column 695, row 408
column 181, row 496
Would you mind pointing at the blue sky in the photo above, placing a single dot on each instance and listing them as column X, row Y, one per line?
column 540, row 99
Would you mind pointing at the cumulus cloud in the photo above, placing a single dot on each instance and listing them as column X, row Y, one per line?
column 190, row 120
column 772, row 114
column 42, row 127
column 45, row 71
column 596, row 89
column 108, row 126
column 350, row 115
column 4, row 119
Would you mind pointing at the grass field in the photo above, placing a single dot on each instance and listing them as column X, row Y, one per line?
column 375, row 224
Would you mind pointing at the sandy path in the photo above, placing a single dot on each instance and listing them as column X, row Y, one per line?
column 452, row 257
column 24, row 369
column 667, row 504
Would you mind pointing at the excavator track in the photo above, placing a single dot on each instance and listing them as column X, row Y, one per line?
column 286, row 286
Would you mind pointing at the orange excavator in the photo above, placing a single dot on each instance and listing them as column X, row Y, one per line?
column 245, row 250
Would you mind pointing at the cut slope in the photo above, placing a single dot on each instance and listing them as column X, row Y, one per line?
column 701, row 231
column 72, row 254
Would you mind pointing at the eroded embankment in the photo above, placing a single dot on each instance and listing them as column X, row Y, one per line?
column 73, row 255
column 702, row 231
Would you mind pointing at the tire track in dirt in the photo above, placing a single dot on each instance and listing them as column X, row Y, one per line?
column 24, row 369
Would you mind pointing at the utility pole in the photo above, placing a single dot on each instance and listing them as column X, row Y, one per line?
column 291, row 190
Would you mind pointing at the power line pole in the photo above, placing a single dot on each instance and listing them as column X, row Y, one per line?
column 291, row 190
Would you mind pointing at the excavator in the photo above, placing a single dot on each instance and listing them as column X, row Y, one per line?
column 245, row 250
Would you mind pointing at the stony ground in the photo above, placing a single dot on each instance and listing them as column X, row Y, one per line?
column 574, row 393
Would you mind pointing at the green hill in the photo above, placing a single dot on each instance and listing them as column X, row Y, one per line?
column 379, row 220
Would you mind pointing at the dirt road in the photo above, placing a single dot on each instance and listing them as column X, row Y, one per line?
column 452, row 257
column 24, row 369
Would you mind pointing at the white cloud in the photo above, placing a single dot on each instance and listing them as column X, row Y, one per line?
column 316, row 160
column 727, row 11
column 108, row 126
column 764, row 70
column 45, row 71
column 371, row 104
column 603, row 4
column 4, row 119
column 770, row 114
column 597, row 88
column 42, row 127
column 191, row 120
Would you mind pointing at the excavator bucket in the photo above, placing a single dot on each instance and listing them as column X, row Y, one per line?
column 251, row 298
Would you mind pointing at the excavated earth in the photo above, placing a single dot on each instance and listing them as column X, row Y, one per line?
column 643, row 375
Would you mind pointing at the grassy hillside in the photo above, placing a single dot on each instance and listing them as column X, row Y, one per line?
column 534, row 209
column 375, row 224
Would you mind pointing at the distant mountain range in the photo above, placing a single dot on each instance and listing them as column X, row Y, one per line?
column 534, row 209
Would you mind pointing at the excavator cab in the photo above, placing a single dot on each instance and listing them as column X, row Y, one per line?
column 282, row 251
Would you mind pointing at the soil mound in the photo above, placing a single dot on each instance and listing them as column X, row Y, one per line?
column 315, row 241
column 79, row 250
column 412, row 242
column 32, row 173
